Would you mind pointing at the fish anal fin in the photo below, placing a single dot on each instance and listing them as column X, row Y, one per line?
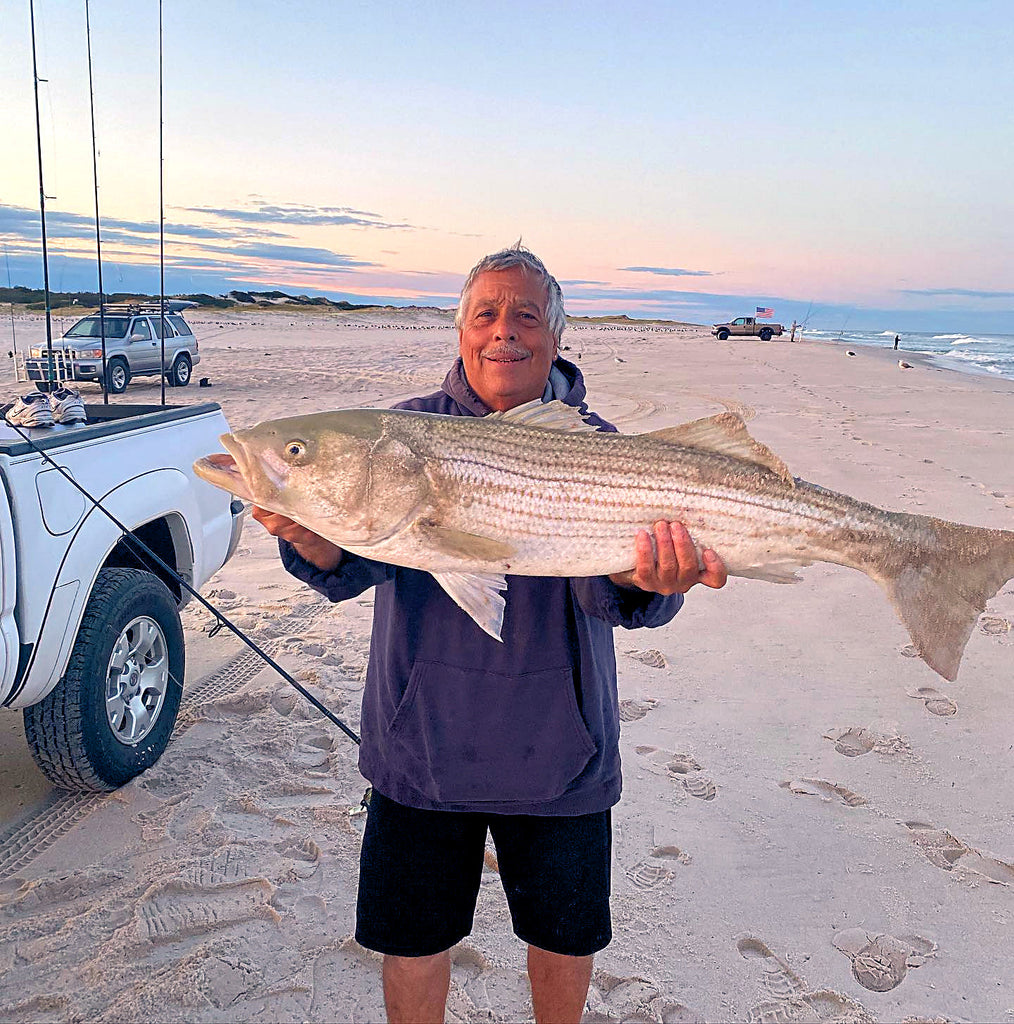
column 726, row 434
column 464, row 545
column 478, row 595
column 555, row 415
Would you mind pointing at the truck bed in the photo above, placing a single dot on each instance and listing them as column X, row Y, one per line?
column 103, row 420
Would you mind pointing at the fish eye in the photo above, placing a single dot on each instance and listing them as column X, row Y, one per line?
column 294, row 450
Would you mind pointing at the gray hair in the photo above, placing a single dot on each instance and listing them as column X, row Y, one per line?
column 506, row 259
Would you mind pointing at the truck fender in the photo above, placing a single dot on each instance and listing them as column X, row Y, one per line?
column 161, row 494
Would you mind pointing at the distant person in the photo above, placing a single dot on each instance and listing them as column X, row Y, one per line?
column 896, row 340
column 462, row 734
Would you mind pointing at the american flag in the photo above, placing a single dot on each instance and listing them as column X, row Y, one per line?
column 765, row 311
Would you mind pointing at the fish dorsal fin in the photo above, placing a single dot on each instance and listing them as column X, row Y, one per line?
column 555, row 415
column 726, row 434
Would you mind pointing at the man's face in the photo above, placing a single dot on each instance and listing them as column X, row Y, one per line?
column 504, row 339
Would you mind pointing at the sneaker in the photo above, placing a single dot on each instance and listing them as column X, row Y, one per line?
column 68, row 406
column 31, row 410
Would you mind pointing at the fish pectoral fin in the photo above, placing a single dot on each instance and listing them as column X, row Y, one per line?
column 465, row 545
column 726, row 434
column 555, row 415
column 478, row 595
column 773, row 572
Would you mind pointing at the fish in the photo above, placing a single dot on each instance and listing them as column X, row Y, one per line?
column 537, row 491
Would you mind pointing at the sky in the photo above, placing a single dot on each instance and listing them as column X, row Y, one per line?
column 837, row 162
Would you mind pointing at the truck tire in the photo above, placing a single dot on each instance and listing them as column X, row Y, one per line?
column 117, row 376
column 765, row 334
column 179, row 373
column 112, row 715
column 723, row 335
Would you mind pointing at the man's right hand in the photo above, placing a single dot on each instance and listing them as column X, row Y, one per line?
column 309, row 546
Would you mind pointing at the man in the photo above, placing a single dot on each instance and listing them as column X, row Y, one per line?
column 462, row 733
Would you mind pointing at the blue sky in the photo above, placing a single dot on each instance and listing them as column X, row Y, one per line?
column 842, row 160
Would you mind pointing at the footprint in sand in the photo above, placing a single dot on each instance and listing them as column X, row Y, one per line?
column 853, row 742
column 880, row 961
column 681, row 767
column 827, row 791
column 792, row 1001
column 634, row 710
column 857, row 740
column 650, row 657
column 994, row 625
column 948, row 852
column 168, row 919
column 937, row 703
column 612, row 998
column 657, row 868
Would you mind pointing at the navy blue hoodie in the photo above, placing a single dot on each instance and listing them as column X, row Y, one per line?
column 454, row 720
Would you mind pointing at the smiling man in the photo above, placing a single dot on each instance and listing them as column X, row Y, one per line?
column 463, row 736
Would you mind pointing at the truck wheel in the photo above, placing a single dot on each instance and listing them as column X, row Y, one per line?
column 179, row 373
column 723, row 335
column 765, row 335
column 117, row 376
column 111, row 716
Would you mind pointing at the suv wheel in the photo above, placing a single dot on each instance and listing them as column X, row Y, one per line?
column 723, row 335
column 765, row 334
column 111, row 716
column 117, row 376
column 179, row 373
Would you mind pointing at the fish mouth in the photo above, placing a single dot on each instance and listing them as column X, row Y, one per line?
column 226, row 470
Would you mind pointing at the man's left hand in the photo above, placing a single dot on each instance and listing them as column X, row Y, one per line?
column 671, row 566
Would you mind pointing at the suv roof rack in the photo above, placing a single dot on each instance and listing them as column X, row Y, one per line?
column 139, row 308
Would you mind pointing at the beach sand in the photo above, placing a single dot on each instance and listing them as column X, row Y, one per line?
column 814, row 826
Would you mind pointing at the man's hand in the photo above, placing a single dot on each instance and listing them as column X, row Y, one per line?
column 310, row 546
column 675, row 568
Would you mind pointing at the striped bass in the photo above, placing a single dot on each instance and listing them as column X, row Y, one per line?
column 535, row 491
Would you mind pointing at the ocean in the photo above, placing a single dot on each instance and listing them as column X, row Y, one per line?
column 972, row 353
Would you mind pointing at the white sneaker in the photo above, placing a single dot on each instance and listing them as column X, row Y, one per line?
column 68, row 407
column 31, row 410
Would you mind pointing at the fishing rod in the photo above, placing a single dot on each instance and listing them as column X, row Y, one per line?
column 222, row 621
column 161, row 212
column 14, row 333
column 50, row 367
column 98, row 236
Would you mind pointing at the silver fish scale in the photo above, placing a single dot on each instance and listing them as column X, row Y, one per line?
column 578, row 498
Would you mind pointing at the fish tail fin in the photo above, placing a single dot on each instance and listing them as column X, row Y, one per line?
column 940, row 593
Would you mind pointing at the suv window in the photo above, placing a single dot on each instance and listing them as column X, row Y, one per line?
column 182, row 327
column 91, row 327
column 140, row 328
column 156, row 323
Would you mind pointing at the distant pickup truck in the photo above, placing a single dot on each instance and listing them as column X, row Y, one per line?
column 134, row 348
column 747, row 327
column 91, row 645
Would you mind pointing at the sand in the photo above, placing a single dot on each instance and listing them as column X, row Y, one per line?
column 814, row 825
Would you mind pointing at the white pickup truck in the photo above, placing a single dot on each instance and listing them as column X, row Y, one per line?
column 91, row 646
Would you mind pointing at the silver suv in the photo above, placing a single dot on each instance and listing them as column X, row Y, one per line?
column 133, row 349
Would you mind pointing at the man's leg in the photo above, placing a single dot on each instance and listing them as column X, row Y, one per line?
column 415, row 988
column 559, row 985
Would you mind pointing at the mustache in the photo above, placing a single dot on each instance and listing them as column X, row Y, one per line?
column 506, row 352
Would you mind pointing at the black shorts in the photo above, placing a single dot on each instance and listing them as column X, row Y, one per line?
column 420, row 873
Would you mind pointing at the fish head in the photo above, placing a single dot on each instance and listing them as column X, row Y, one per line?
column 325, row 471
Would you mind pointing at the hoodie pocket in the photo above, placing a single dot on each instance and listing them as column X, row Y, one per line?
column 466, row 735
